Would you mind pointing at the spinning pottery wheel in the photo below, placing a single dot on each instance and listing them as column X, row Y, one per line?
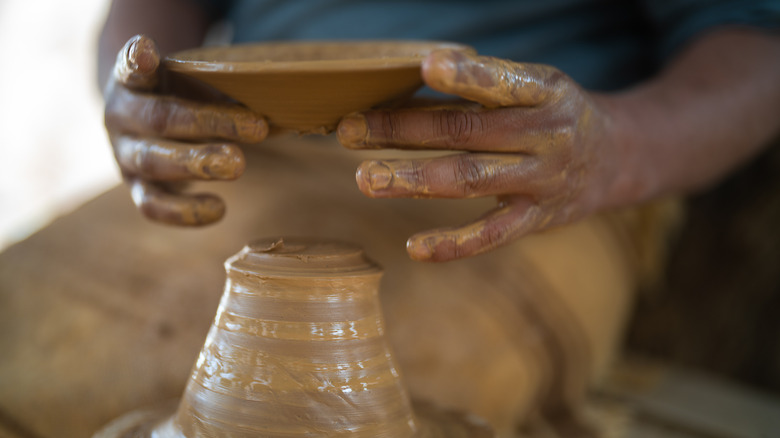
column 297, row 348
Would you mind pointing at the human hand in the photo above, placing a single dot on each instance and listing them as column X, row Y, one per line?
column 161, row 141
column 538, row 142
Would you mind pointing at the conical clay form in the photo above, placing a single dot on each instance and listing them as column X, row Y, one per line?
column 297, row 349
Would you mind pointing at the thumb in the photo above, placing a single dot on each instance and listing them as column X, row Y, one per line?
column 493, row 82
column 137, row 64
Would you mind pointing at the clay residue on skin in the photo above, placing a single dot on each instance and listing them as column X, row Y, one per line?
column 493, row 82
column 535, row 138
column 160, row 160
column 514, row 216
column 460, row 176
column 143, row 114
column 183, row 210
column 471, row 237
column 353, row 131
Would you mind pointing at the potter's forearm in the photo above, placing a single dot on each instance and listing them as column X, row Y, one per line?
column 174, row 24
column 712, row 109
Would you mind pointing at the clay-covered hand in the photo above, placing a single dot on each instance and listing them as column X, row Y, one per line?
column 160, row 141
column 530, row 135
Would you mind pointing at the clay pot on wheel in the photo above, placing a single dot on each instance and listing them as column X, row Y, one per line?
column 297, row 348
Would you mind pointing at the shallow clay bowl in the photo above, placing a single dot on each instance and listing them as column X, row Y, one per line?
column 309, row 86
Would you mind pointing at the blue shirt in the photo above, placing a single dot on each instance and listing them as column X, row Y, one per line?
column 602, row 44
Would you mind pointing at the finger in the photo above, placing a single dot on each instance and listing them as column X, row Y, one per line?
column 490, row 81
column 176, row 209
column 516, row 216
column 456, row 128
column 162, row 160
column 175, row 118
column 457, row 176
column 137, row 64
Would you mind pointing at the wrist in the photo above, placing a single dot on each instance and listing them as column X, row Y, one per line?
column 632, row 178
column 712, row 109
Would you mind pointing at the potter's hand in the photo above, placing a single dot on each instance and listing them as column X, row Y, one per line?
column 537, row 141
column 161, row 141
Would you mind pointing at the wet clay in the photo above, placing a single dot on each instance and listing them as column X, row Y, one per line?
column 309, row 86
column 297, row 348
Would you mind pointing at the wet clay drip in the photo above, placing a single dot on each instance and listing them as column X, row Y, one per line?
column 298, row 348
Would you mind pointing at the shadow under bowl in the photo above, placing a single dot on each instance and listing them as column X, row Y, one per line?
column 309, row 86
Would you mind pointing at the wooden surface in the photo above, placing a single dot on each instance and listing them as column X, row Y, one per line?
column 102, row 312
column 660, row 400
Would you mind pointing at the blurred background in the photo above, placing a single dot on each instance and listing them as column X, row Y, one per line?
column 54, row 148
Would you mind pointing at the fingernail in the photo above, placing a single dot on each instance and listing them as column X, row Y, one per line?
column 220, row 162
column 206, row 211
column 353, row 131
column 251, row 128
column 141, row 55
column 380, row 176
column 419, row 250
column 132, row 52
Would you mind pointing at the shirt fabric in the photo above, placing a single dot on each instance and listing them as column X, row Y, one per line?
column 602, row 44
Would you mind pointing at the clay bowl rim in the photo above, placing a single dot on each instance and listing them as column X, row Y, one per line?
column 192, row 60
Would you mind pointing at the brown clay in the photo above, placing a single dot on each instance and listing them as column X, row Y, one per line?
column 297, row 348
column 308, row 87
